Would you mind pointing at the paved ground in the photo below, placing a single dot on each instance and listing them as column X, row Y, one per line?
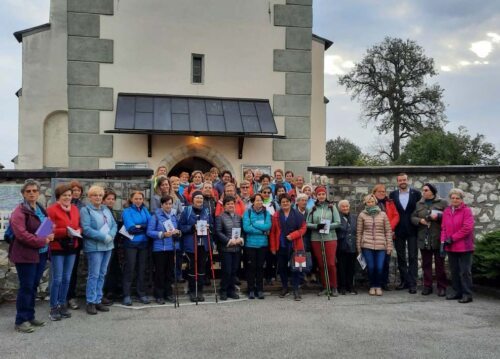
column 396, row 325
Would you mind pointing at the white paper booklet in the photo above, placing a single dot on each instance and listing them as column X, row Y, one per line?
column 202, row 228
column 168, row 225
column 123, row 231
column 361, row 261
column 325, row 230
column 236, row 233
column 73, row 232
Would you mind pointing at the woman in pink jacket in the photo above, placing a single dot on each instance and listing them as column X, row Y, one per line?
column 457, row 239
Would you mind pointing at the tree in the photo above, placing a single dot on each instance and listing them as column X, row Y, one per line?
column 440, row 147
column 342, row 152
column 390, row 84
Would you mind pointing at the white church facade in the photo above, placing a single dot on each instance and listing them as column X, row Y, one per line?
column 122, row 83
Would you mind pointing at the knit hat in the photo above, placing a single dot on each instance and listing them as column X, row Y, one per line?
column 320, row 189
column 196, row 193
column 431, row 187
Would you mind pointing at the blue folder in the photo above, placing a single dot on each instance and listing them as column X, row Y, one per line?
column 46, row 228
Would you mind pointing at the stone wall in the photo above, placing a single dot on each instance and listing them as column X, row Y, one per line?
column 481, row 185
column 122, row 182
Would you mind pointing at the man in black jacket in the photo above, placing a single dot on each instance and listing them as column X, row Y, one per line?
column 406, row 199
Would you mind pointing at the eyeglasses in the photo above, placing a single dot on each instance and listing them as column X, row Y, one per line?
column 31, row 191
column 243, row 187
column 266, row 192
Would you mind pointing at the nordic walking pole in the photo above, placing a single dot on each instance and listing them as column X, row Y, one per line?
column 325, row 267
column 212, row 265
column 195, row 266
column 176, row 295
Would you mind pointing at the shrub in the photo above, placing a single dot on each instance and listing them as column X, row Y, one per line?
column 486, row 263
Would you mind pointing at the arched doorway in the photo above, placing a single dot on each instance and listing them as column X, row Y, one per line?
column 189, row 164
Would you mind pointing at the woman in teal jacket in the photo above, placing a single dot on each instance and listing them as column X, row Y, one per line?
column 99, row 230
column 256, row 224
column 135, row 219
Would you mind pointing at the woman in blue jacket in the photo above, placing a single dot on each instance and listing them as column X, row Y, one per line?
column 256, row 224
column 187, row 224
column 99, row 230
column 163, row 230
column 135, row 219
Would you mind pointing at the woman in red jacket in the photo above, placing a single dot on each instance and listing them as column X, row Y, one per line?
column 288, row 227
column 457, row 239
column 63, row 249
column 386, row 205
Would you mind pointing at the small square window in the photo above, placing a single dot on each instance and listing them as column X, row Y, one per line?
column 197, row 67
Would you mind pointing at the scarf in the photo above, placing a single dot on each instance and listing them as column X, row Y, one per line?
column 372, row 211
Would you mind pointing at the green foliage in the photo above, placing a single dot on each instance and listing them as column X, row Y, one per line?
column 369, row 160
column 390, row 84
column 439, row 147
column 486, row 263
column 342, row 152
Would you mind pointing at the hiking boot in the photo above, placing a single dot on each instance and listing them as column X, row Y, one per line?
column 192, row 297
column 335, row 292
column 453, row 297
column 284, row 293
column 296, row 296
column 37, row 323
column 144, row 299
column 160, row 301
column 260, row 295
column 233, row 295
column 465, row 299
column 251, row 295
column 322, row 292
column 127, row 301
column 201, row 297
column 63, row 310
column 101, row 307
column 223, row 296
column 91, row 309
column 73, row 304
column 55, row 314
column 426, row 291
column 107, row 302
column 441, row 292
column 24, row 327
column 170, row 298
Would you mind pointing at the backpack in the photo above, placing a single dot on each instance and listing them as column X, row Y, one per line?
column 9, row 236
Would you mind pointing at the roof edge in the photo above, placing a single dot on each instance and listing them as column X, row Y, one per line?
column 32, row 30
column 328, row 43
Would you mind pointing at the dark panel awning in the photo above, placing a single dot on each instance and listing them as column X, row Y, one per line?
column 185, row 115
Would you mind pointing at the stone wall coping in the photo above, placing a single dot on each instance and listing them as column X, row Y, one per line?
column 353, row 170
column 101, row 173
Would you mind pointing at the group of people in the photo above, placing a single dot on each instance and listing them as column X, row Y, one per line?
column 283, row 227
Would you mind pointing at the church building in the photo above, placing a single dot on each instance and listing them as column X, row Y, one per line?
column 187, row 84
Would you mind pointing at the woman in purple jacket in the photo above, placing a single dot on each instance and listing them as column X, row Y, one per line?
column 457, row 239
column 29, row 252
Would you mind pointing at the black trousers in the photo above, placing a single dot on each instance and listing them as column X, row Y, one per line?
column 113, row 281
column 164, row 273
column 408, row 269
column 135, row 256
column 74, row 275
column 255, row 268
column 346, row 264
column 461, row 277
column 201, row 266
column 230, row 263
column 271, row 265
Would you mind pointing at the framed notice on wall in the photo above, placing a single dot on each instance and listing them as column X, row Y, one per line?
column 265, row 169
column 10, row 197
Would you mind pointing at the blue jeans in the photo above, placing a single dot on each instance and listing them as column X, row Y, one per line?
column 29, row 275
column 375, row 265
column 61, row 267
column 98, row 265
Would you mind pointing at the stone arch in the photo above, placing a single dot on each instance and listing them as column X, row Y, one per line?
column 55, row 140
column 196, row 150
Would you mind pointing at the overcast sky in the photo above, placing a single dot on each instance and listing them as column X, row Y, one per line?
column 462, row 36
